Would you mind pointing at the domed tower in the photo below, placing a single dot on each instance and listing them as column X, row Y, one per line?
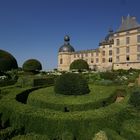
column 64, row 55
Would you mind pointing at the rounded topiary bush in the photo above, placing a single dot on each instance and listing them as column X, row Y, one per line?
column 7, row 61
column 71, row 84
column 79, row 64
column 32, row 65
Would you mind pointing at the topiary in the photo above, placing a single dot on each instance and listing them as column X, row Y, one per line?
column 71, row 84
column 32, row 65
column 79, row 65
column 7, row 61
column 135, row 99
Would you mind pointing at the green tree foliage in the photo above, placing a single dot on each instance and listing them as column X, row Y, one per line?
column 79, row 65
column 71, row 84
column 32, row 65
column 135, row 99
column 7, row 61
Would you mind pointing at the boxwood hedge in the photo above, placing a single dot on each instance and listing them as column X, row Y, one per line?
column 131, row 129
column 46, row 98
column 31, row 136
column 82, row 124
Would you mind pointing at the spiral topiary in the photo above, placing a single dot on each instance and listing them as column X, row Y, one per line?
column 32, row 65
column 79, row 64
column 7, row 61
column 71, row 84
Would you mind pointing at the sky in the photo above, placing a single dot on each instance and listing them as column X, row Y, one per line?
column 36, row 28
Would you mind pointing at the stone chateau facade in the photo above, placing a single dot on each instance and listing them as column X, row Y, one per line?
column 119, row 50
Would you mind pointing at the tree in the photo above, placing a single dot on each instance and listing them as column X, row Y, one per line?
column 32, row 65
column 7, row 61
column 71, row 84
column 79, row 65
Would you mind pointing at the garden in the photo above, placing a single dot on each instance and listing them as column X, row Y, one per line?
column 81, row 106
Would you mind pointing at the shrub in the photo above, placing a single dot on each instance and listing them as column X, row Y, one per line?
column 104, row 82
column 8, row 132
column 96, row 99
column 135, row 98
column 131, row 129
column 7, row 61
column 79, row 65
column 44, row 81
column 82, row 124
column 101, row 135
column 71, row 84
column 113, row 135
column 31, row 136
column 108, row 75
column 67, row 136
column 32, row 65
column 34, row 81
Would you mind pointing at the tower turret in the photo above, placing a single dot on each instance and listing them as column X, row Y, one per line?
column 64, row 54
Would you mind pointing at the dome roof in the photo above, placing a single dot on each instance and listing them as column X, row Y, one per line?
column 109, row 35
column 66, row 47
column 7, row 61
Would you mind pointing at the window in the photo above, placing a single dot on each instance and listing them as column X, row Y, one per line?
column 127, row 50
column 81, row 55
column 127, row 32
column 117, row 50
column 86, row 54
column 103, row 53
column 110, row 46
column 97, row 60
column 92, row 54
column 138, row 38
column 74, row 56
column 138, row 57
column 110, row 52
column 92, row 61
column 103, row 60
column 110, row 59
column 139, row 30
column 117, row 42
column 138, row 48
column 77, row 55
column 61, row 61
column 127, row 40
column 127, row 58
column 97, row 53
column 117, row 58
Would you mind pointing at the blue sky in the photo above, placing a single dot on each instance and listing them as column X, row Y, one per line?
column 36, row 28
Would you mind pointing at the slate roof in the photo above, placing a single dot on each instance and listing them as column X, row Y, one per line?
column 66, row 47
column 128, row 23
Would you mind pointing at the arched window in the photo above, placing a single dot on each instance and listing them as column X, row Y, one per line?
column 61, row 61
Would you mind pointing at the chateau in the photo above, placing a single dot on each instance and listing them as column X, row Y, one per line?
column 119, row 50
